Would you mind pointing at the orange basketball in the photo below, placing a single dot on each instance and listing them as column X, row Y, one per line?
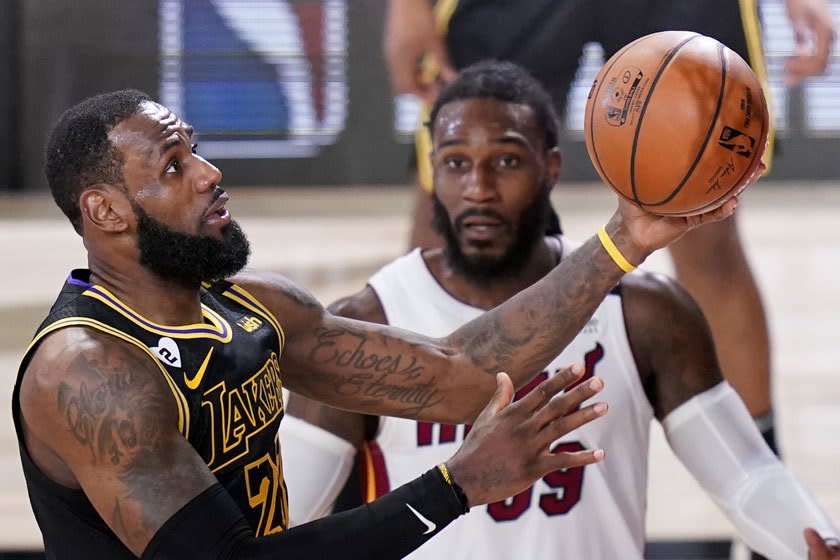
column 676, row 122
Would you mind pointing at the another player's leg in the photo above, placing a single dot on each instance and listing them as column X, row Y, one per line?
column 422, row 234
column 746, row 361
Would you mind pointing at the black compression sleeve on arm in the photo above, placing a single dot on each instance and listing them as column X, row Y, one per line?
column 211, row 526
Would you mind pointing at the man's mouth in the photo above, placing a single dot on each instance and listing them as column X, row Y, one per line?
column 481, row 228
column 217, row 210
column 481, row 224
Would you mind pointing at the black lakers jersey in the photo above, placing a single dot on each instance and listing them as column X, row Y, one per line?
column 224, row 377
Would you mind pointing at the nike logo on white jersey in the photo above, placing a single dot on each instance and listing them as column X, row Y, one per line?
column 430, row 527
column 167, row 352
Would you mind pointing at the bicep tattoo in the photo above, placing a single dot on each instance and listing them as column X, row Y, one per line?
column 115, row 405
column 111, row 405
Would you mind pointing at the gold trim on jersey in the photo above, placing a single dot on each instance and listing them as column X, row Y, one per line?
column 217, row 329
column 755, row 50
column 180, row 399
column 255, row 305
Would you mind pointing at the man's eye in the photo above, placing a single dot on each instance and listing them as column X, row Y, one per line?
column 509, row 161
column 174, row 166
column 455, row 163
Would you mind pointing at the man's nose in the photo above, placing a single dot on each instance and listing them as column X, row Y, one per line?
column 210, row 176
column 480, row 185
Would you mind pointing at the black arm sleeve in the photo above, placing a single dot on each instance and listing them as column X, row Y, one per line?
column 211, row 526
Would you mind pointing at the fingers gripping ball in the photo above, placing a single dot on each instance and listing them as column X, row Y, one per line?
column 676, row 122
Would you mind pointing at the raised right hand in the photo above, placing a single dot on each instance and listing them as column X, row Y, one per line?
column 507, row 448
column 638, row 233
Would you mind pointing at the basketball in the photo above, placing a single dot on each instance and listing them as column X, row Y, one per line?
column 676, row 122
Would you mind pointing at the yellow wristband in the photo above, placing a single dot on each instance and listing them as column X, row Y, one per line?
column 445, row 472
column 613, row 251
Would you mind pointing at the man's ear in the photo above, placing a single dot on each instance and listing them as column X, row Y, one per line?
column 106, row 207
column 553, row 162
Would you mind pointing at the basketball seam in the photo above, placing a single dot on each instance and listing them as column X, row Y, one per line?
column 656, row 77
column 750, row 168
column 594, row 155
column 723, row 77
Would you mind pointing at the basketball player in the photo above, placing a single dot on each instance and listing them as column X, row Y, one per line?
column 495, row 161
column 547, row 37
column 148, row 403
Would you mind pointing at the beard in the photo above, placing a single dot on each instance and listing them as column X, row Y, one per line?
column 482, row 270
column 189, row 259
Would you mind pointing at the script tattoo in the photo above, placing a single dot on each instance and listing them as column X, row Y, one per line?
column 116, row 405
column 101, row 412
column 397, row 378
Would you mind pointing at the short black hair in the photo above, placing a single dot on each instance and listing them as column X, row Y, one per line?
column 506, row 82
column 79, row 152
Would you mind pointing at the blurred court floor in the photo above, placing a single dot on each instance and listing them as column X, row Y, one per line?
column 331, row 239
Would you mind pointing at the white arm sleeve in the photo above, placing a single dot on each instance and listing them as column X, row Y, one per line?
column 316, row 464
column 715, row 438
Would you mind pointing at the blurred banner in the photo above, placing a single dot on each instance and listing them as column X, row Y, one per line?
column 258, row 79
column 294, row 92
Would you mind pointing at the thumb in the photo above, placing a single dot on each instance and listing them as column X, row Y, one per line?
column 500, row 399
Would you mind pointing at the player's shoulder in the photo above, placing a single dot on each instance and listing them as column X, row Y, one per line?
column 89, row 362
column 654, row 285
column 650, row 296
column 275, row 291
column 364, row 305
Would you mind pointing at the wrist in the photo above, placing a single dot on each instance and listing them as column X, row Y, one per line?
column 619, row 233
column 456, row 489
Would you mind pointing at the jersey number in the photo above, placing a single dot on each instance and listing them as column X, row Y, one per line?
column 263, row 483
column 567, row 484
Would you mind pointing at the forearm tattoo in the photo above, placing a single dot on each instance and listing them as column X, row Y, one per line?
column 529, row 330
column 382, row 371
column 373, row 376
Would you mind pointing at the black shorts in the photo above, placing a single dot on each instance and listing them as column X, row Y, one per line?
column 547, row 36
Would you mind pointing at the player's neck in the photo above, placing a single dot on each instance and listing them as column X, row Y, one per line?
column 155, row 298
column 488, row 295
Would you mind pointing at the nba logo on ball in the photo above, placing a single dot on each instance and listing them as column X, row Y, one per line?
column 676, row 122
column 737, row 141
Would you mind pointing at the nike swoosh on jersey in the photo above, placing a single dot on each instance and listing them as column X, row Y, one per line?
column 430, row 527
column 196, row 379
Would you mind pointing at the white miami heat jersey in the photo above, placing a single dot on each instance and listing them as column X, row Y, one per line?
column 590, row 513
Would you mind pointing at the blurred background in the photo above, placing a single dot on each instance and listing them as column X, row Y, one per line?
column 294, row 92
column 291, row 100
